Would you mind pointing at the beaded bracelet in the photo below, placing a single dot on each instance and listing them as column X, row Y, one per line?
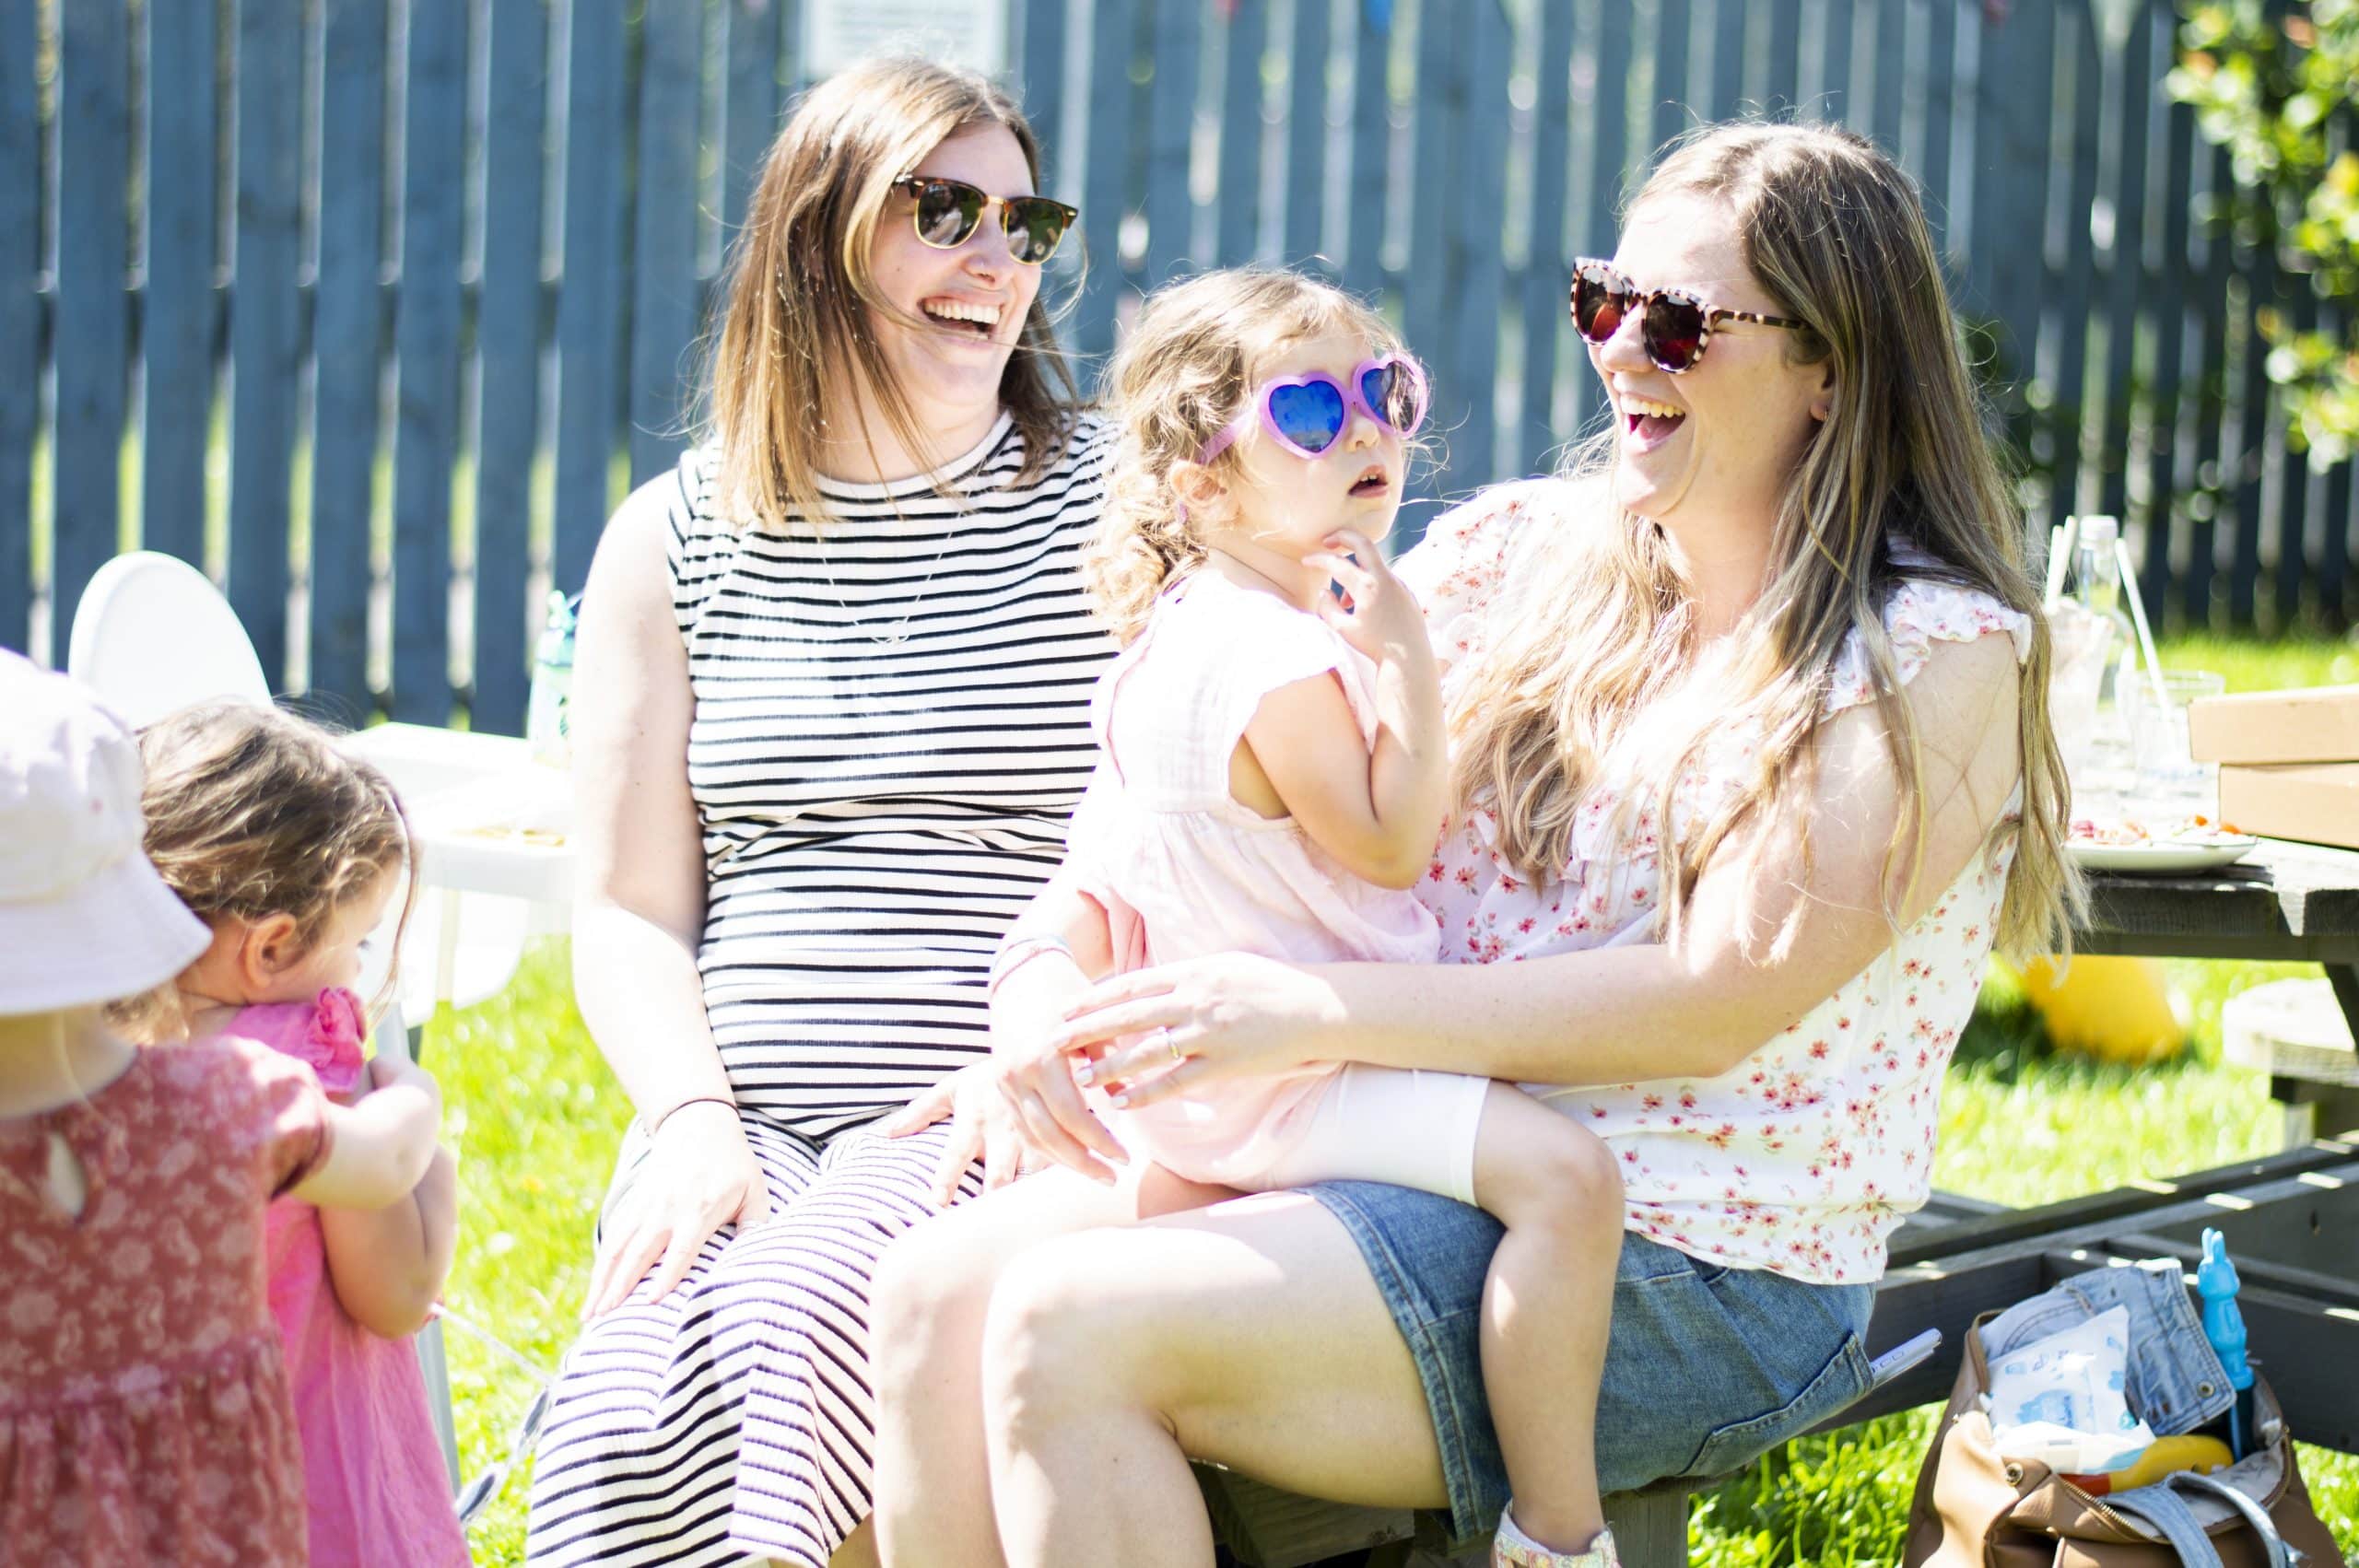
column 657, row 1124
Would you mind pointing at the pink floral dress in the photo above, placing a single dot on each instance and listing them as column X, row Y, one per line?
column 143, row 1416
column 1803, row 1157
column 376, row 1490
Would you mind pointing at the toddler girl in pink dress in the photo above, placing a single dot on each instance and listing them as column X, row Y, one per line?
column 1273, row 780
column 290, row 852
column 144, row 1409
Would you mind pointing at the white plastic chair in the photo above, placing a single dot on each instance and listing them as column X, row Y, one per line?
column 153, row 634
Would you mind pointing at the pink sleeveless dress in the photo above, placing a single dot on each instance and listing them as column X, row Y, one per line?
column 372, row 1467
column 1185, row 871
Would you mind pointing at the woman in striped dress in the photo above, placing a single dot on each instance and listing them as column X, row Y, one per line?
column 831, row 719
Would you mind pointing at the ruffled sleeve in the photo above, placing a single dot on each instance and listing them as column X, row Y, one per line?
column 265, row 1106
column 295, row 1115
column 1271, row 644
column 1091, row 830
column 1457, row 569
column 1920, row 613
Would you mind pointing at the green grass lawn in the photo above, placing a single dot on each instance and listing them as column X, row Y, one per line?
column 536, row 1119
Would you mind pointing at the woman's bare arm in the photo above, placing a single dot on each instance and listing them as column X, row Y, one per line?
column 639, row 914
column 1630, row 1014
column 639, row 905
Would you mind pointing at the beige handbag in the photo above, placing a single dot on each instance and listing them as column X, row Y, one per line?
column 1974, row 1509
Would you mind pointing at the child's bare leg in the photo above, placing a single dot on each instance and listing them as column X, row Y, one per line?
column 1546, row 1307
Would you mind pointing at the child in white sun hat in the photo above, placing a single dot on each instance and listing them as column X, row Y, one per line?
column 143, row 1411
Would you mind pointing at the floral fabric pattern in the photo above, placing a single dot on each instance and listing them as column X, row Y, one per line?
column 144, row 1413
column 1803, row 1157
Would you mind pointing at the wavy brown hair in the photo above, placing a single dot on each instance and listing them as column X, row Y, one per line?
column 252, row 812
column 1181, row 374
column 1832, row 231
column 799, row 289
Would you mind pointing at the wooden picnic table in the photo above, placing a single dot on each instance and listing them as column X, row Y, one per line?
column 2282, row 901
column 2292, row 1222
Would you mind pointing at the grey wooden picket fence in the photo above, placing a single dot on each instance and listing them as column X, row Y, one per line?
column 374, row 307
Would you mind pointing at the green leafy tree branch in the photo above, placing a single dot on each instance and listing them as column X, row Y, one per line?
column 2275, row 85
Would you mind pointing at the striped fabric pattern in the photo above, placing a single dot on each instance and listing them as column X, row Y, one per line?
column 891, row 729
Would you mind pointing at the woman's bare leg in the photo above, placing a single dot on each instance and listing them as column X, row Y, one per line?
column 1251, row 1334
column 933, row 1503
column 1546, row 1306
column 859, row 1549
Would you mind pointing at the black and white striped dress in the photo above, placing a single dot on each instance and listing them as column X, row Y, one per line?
column 891, row 728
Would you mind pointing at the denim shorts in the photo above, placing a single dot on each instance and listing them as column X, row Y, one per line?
column 1707, row 1366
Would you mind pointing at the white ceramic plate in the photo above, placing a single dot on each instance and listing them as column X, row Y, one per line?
column 2163, row 858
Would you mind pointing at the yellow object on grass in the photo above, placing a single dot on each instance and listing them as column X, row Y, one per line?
column 2116, row 1010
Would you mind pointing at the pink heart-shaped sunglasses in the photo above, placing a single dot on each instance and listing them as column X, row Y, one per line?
column 1307, row 414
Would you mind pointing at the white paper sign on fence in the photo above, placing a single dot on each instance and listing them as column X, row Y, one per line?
column 972, row 33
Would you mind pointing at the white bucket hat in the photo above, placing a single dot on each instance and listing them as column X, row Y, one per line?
column 84, row 917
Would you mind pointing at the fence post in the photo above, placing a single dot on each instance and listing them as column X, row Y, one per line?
column 1237, row 203
column 1170, row 138
column 508, row 350
column 92, row 334
column 590, row 296
column 1306, row 185
column 1609, row 164
column 1104, row 179
column 347, row 337
column 20, row 311
column 426, row 350
column 751, row 113
column 664, row 295
column 1545, row 273
column 1371, row 154
column 177, row 296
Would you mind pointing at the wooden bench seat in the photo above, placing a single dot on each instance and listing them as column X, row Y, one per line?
column 1955, row 1260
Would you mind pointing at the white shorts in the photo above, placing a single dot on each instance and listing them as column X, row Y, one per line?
column 1410, row 1128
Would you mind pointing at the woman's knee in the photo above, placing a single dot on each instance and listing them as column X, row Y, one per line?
column 933, row 1282
column 1056, row 1339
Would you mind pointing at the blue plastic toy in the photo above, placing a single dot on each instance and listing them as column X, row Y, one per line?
column 2215, row 1280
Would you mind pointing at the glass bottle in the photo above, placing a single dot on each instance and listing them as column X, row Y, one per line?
column 2110, row 642
column 547, row 727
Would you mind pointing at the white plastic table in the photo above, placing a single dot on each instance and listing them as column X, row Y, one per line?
column 489, row 827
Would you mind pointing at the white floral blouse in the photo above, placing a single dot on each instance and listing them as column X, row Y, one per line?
column 1802, row 1158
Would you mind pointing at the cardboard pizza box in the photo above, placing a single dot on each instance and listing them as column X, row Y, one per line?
column 2318, row 803
column 2315, row 724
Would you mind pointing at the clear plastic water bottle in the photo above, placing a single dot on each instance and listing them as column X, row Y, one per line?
column 547, row 723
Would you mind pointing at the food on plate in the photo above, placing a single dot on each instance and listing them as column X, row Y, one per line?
column 2130, row 833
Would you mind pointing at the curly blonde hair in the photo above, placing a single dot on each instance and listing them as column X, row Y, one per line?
column 253, row 811
column 1182, row 373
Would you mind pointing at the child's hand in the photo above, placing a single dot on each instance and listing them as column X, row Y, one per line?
column 387, row 1071
column 1376, row 615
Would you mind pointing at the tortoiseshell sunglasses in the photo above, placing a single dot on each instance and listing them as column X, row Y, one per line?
column 1673, row 325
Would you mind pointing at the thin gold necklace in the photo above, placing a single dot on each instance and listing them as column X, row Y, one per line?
column 899, row 632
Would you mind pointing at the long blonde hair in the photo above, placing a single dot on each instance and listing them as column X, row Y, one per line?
column 799, row 289
column 1182, row 373
column 1832, row 231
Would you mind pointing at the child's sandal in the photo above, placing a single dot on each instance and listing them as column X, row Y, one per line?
column 1512, row 1548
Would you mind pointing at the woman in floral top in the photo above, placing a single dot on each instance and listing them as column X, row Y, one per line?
column 1748, row 713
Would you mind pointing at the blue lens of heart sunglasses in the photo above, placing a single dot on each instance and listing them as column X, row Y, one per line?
column 1307, row 414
